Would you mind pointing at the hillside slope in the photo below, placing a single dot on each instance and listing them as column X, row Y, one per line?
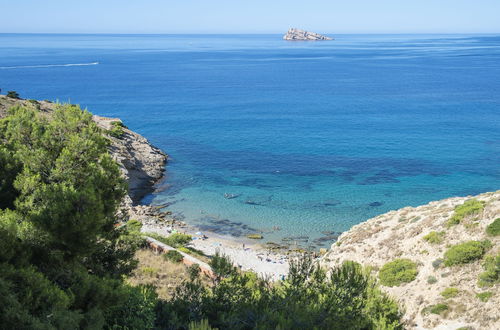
column 400, row 234
column 141, row 163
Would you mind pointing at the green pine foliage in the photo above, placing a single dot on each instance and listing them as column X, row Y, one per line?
column 468, row 208
column 438, row 308
column 493, row 228
column 62, row 260
column 173, row 255
column 116, row 129
column 308, row 299
column 397, row 272
column 484, row 296
column 449, row 293
column 434, row 237
column 466, row 252
column 491, row 274
column 175, row 240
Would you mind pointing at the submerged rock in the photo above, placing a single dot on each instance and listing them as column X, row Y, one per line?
column 297, row 35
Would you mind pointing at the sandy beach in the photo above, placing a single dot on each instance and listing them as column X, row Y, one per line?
column 245, row 254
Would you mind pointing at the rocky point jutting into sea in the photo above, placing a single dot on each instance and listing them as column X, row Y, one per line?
column 301, row 35
column 141, row 163
column 442, row 295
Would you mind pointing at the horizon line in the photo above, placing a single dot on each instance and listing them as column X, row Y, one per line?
column 245, row 33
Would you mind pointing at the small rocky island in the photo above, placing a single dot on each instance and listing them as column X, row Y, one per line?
column 299, row 35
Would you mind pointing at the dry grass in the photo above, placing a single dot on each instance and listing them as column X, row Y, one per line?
column 154, row 269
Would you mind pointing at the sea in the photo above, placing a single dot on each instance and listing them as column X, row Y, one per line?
column 297, row 141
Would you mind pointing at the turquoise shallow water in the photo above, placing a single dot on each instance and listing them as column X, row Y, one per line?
column 308, row 137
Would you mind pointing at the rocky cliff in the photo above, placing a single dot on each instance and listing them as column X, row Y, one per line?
column 141, row 163
column 441, row 296
column 298, row 35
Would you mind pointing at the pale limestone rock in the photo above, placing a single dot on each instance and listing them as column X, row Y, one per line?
column 298, row 35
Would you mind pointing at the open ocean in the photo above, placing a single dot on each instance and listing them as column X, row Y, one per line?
column 310, row 137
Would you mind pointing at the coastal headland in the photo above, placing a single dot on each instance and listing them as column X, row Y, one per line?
column 439, row 289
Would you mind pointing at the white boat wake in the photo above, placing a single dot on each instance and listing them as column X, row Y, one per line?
column 47, row 66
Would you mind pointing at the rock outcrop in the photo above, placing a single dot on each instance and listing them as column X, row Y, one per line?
column 301, row 35
column 400, row 234
column 141, row 163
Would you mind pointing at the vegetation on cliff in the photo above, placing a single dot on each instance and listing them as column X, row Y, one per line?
column 64, row 261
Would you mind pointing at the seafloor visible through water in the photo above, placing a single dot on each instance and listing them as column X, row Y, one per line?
column 298, row 140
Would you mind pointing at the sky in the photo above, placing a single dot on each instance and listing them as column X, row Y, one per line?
column 249, row 16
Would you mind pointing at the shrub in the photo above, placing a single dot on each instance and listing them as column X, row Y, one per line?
column 116, row 129
column 194, row 271
column 221, row 266
column 184, row 249
column 449, row 293
column 493, row 228
column 465, row 252
column 201, row 325
column 396, row 272
column 134, row 225
column 437, row 263
column 468, row 208
column 434, row 237
column 173, row 255
column 13, row 94
column 308, row 299
column 149, row 271
column 175, row 240
column 491, row 275
column 484, row 296
column 431, row 280
column 438, row 308
column 178, row 239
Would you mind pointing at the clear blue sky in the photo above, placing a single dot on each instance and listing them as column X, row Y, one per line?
column 251, row 16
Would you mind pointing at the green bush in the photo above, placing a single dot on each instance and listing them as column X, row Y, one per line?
column 491, row 275
column 13, row 94
column 438, row 308
column 398, row 272
column 431, row 279
column 493, row 228
column 134, row 226
column 449, row 293
column 434, row 237
column 221, row 266
column 178, row 239
column 466, row 252
column 184, row 249
column 308, row 299
column 149, row 271
column 484, row 296
column 116, row 129
column 174, row 256
column 175, row 240
column 194, row 271
column 468, row 208
column 137, row 311
column 201, row 325
column 437, row 263
column 62, row 259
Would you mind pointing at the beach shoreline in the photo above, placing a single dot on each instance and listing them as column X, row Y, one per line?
column 245, row 253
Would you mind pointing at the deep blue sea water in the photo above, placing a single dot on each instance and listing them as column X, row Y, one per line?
column 310, row 137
